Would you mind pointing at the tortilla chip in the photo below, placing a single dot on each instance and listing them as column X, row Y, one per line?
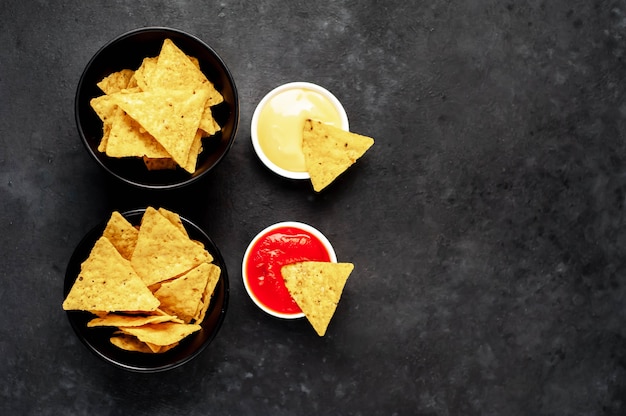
column 330, row 151
column 127, row 139
column 183, row 296
column 153, row 347
column 316, row 287
column 104, row 107
column 213, row 277
column 132, row 83
column 143, row 74
column 162, row 251
column 107, row 111
column 175, row 70
column 121, row 234
column 194, row 151
column 171, row 117
column 130, row 343
column 108, row 283
column 113, row 319
column 160, row 312
column 106, row 130
column 119, row 125
column 163, row 348
column 116, row 81
column 163, row 163
column 194, row 61
column 208, row 125
column 165, row 333
column 174, row 218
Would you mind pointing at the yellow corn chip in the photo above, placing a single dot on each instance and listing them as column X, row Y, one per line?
column 108, row 283
column 164, row 348
column 162, row 251
column 109, row 113
column 130, row 343
column 161, row 334
column 316, row 287
column 174, row 218
column 116, row 81
column 194, row 151
column 107, row 110
column 153, row 347
column 194, row 61
column 132, row 83
column 163, row 163
column 106, row 130
column 121, row 234
column 171, row 318
column 330, row 151
column 143, row 74
column 208, row 125
column 182, row 296
column 113, row 319
column 126, row 139
column 213, row 277
column 104, row 107
column 174, row 70
column 171, row 117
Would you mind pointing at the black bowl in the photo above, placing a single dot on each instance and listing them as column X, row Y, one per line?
column 127, row 52
column 97, row 339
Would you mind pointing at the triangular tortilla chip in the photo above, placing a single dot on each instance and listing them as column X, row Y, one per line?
column 172, row 117
column 130, row 343
column 214, row 277
column 194, row 151
column 175, row 70
column 116, row 81
column 163, row 251
column 330, row 151
column 163, row 348
column 143, row 74
column 165, row 333
column 121, row 234
column 171, row 318
column 183, row 296
column 106, row 129
column 316, row 287
column 208, row 124
column 162, row 163
column 127, row 139
column 104, row 107
column 108, row 283
column 113, row 319
column 174, row 219
column 121, row 127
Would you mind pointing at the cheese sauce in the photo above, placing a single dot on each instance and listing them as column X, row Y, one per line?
column 281, row 121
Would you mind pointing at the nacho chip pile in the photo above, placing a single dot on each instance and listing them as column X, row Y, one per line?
column 159, row 112
column 153, row 283
column 316, row 287
column 329, row 151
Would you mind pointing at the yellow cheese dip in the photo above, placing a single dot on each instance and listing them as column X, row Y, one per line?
column 281, row 121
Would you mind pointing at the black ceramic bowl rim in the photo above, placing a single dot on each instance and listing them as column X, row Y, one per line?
column 227, row 113
column 97, row 339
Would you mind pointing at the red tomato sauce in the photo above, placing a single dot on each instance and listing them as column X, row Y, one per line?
column 276, row 248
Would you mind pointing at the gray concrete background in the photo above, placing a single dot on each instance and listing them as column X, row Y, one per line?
column 486, row 224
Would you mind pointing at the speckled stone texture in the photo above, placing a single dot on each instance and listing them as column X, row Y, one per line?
column 486, row 224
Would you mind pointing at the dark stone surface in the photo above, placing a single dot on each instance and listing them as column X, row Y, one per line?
column 486, row 224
